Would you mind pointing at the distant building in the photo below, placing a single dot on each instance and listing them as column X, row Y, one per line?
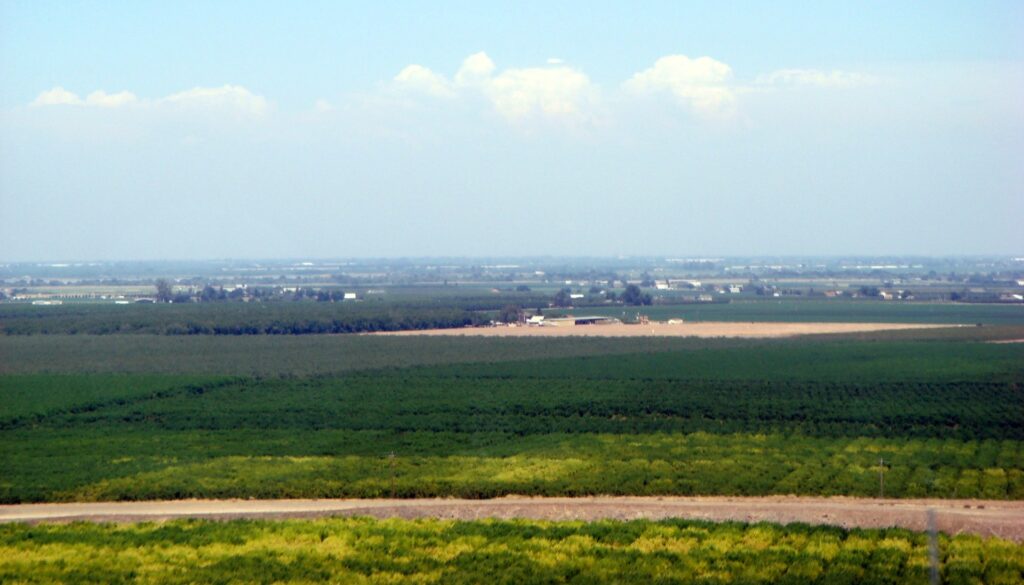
column 350, row 296
column 574, row 321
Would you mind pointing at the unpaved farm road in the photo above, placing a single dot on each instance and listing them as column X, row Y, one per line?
column 982, row 517
column 661, row 329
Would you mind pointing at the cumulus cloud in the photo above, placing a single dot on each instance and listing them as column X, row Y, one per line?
column 58, row 96
column 110, row 100
column 233, row 97
column 419, row 78
column 516, row 94
column 551, row 91
column 475, row 70
column 702, row 84
column 814, row 77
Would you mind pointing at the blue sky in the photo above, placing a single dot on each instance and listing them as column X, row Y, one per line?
column 324, row 129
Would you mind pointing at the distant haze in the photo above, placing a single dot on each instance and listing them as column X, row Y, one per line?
column 217, row 130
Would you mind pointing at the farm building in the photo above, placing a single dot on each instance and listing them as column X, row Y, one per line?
column 573, row 321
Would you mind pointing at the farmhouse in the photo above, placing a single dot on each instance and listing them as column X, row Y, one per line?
column 573, row 321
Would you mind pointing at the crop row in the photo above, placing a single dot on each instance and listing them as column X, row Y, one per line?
column 403, row 402
column 279, row 318
column 345, row 550
column 97, row 464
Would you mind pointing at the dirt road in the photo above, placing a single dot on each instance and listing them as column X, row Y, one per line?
column 983, row 517
column 688, row 329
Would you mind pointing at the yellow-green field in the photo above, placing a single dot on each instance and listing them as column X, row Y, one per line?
column 357, row 550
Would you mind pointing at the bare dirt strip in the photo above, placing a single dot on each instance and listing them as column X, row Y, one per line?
column 660, row 329
column 983, row 517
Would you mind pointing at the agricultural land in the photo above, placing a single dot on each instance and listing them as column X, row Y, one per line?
column 479, row 451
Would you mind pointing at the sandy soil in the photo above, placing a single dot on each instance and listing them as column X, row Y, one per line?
column 693, row 329
column 983, row 517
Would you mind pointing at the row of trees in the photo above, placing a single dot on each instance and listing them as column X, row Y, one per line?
column 165, row 294
column 632, row 296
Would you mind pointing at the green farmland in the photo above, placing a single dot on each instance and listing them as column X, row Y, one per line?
column 747, row 419
column 939, row 413
column 358, row 550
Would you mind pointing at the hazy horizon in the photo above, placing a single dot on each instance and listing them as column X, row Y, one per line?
column 199, row 131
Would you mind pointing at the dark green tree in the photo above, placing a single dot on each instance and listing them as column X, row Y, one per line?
column 562, row 298
column 634, row 296
column 510, row 314
column 164, row 291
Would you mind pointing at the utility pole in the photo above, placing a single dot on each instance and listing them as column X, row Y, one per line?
column 391, row 462
column 933, row 548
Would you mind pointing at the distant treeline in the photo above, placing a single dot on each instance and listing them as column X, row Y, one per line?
column 230, row 318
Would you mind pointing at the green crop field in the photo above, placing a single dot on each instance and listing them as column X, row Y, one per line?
column 294, row 355
column 265, row 355
column 358, row 550
column 764, row 418
column 130, row 417
column 270, row 318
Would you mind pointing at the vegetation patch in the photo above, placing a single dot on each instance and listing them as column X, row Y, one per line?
column 359, row 550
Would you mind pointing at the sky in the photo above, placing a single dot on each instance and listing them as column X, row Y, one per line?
column 202, row 130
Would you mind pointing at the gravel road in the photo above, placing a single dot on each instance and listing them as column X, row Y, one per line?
column 658, row 329
column 983, row 517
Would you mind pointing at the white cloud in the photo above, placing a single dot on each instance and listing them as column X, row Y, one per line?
column 551, row 91
column 234, row 97
column 419, row 78
column 229, row 96
column 476, row 69
column 322, row 105
column 516, row 94
column 814, row 77
column 58, row 96
column 103, row 99
column 703, row 84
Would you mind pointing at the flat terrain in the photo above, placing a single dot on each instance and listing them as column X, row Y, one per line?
column 981, row 517
column 741, row 418
column 240, row 458
column 693, row 329
column 492, row 550
column 823, row 311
